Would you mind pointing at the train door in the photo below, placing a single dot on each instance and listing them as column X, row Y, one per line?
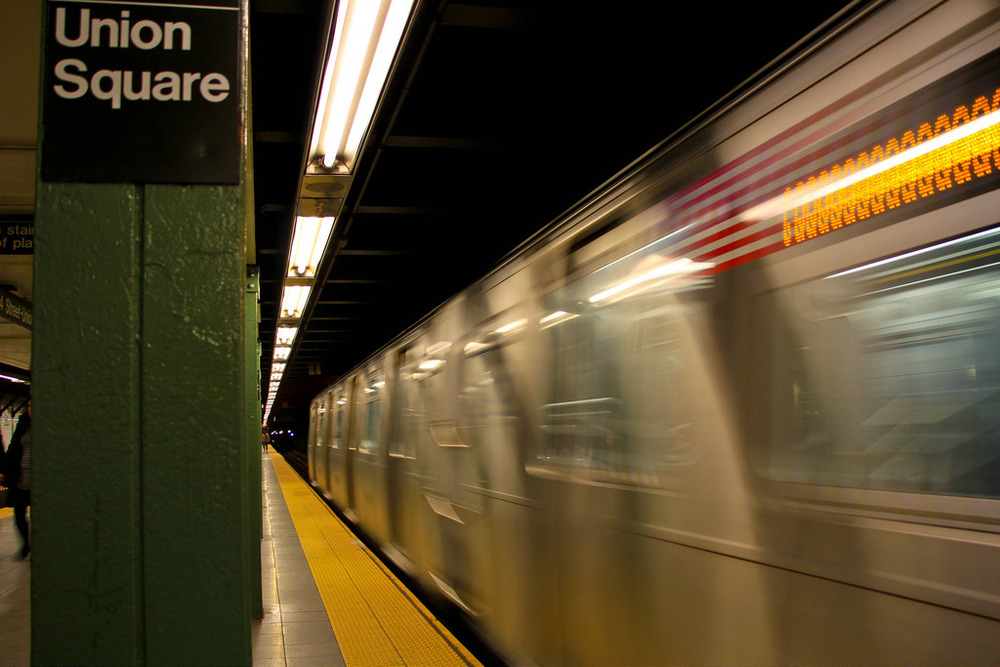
column 336, row 446
column 313, row 455
column 497, row 375
column 369, row 462
column 351, row 444
column 425, row 506
column 400, row 459
column 620, row 433
column 321, row 436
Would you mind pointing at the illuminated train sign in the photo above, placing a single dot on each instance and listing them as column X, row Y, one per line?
column 142, row 91
column 952, row 151
column 843, row 164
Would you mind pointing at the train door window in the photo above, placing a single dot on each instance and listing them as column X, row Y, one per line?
column 887, row 376
column 314, row 433
column 405, row 410
column 322, row 420
column 484, row 401
column 421, row 383
column 621, row 340
column 314, row 430
column 428, row 376
column 373, row 413
column 338, row 419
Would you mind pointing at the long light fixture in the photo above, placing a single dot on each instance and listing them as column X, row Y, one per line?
column 309, row 240
column 285, row 335
column 293, row 301
column 366, row 37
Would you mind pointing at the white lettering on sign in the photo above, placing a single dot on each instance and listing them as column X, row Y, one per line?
column 119, row 34
column 116, row 86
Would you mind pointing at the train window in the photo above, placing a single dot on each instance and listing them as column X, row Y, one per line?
column 621, row 341
column 428, row 375
column 373, row 412
column 486, row 406
column 887, row 376
column 421, row 381
column 406, row 415
column 338, row 417
column 432, row 363
column 322, row 417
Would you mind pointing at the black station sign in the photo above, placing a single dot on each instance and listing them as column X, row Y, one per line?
column 141, row 92
column 15, row 309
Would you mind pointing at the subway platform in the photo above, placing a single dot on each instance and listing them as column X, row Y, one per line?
column 328, row 601
column 15, row 596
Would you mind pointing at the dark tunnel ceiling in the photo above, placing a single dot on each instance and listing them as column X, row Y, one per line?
column 504, row 115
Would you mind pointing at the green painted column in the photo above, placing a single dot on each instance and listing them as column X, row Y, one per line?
column 255, row 527
column 141, row 475
column 141, row 486
column 86, row 516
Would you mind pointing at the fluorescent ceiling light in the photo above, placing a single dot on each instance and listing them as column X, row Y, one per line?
column 365, row 39
column 281, row 352
column 388, row 42
column 286, row 335
column 308, row 243
column 293, row 301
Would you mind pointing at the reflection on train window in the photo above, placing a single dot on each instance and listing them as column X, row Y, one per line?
column 621, row 340
column 887, row 376
column 478, row 399
column 338, row 421
column 373, row 410
column 421, row 382
column 487, row 411
column 321, row 422
column 407, row 414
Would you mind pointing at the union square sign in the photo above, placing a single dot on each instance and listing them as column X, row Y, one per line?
column 141, row 92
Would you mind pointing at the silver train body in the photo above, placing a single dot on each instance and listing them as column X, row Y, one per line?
column 740, row 406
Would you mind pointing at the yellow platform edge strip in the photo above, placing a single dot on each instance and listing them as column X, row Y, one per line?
column 6, row 512
column 376, row 620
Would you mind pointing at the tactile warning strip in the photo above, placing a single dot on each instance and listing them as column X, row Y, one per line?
column 375, row 619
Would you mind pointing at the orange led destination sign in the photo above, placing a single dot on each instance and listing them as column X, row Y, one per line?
column 950, row 152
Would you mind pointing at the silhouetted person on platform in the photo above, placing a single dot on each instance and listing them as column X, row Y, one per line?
column 15, row 474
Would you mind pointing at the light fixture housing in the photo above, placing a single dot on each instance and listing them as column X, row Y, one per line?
column 285, row 335
column 366, row 37
column 293, row 301
column 309, row 240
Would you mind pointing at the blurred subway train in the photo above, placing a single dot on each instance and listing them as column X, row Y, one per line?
column 741, row 405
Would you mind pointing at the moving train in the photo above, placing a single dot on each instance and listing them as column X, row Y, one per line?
column 742, row 404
